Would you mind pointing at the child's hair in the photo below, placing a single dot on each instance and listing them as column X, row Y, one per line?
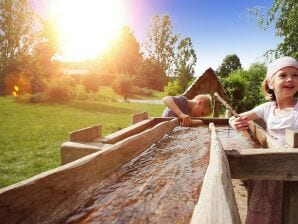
column 207, row 100
column 269, row 93
column 273, row 68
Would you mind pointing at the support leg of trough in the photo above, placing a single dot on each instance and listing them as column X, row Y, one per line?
column 290, row 202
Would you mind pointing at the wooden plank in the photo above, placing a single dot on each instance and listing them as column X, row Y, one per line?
column 71, row 151
column 86, row 134
column 290, row 202
column 139, row 117
column 51, row 196
column 215, row 120
column 132, row 130
column 291, row 138
column 264, row 164
column 217, row 200
column 290, row 191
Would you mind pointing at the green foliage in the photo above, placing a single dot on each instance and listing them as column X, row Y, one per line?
column 60, row 89
column 151, row 75
column 24, row 98
column 254, row 77
column 173, row 88
column 27, row 45
column 185, row 62
column 230, row 63
column 17, row 36
column 284, row 14
column 142, row 91
column 244, row 87
column 161, row 43
column 39, row 98
column 123, row 85
column 91, row 82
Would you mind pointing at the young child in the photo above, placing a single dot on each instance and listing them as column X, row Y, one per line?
column 280, row 87
column 184, row 109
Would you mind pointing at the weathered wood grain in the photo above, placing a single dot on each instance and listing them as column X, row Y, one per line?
column 264, row 164
column 86, row 134
column 217, row 200
column 139, row 117
column 51, row 196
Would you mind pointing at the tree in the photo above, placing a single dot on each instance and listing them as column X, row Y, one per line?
column 161, row 43
column 243, row 87
column 230, row 63
column 284, row 14
column 17, row 36
column 123, row 55
column 254, row 77
column 41, row 66
column 235, row 87
column 150, row 74
column 123, row 85
column 185, row 62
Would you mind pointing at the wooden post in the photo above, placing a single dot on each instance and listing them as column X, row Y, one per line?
column 217, row 202
column 86, row 134
column 139, row 117
column 290, row 194
column 290, row 189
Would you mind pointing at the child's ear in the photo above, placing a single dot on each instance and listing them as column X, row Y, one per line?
column 270, row 84
column 199, row 102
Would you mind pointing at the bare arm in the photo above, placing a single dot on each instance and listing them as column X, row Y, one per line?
column 184, row 118
column 240, row 123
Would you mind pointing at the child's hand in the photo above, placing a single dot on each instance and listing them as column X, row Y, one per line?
column 239, row 123
column 184, row 120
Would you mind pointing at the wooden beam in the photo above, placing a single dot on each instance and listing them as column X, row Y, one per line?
column 50, row 196
column 217, row 202
column 139, row 117
column 291, row 138
column 264, row 164
column 290, row 192
column 86, row 134
column 132, row 130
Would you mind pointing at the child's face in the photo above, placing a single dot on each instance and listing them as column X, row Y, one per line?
column 285, row 82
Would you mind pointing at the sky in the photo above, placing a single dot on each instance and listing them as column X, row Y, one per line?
column 217, row 28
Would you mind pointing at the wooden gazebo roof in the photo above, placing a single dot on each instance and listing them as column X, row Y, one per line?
column 207, row 83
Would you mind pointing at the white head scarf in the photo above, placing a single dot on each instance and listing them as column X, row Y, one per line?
column 279, row 64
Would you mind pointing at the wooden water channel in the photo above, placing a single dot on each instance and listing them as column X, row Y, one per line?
column 155, row 172
column 85, row 190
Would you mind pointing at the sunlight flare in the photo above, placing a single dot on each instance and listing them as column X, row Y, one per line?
column 86, row 26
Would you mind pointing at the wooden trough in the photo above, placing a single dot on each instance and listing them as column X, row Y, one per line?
column 51, row 196
column 88, row 158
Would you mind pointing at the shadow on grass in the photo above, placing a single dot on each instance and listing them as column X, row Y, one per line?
column 101, row 107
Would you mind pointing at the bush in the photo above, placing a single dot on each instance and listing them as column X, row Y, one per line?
column 61, row 89
column 142, row 91
column 173, row 88
column 123, row 85
column 39, row 98
column 79, row 93
column 91, row 82
column 24, row 98
column 58, row 94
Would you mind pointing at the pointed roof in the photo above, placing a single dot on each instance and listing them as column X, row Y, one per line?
column 204, row 84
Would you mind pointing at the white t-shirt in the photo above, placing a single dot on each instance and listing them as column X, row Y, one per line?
column 277, row 124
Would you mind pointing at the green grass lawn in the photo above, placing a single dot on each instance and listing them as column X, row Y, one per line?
column 31, row 134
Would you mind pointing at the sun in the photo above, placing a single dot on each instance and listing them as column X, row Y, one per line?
column 86, row 26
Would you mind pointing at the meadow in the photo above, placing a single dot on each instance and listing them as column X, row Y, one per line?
column 31, row 134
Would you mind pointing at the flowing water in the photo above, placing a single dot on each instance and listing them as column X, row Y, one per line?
column 161, row 185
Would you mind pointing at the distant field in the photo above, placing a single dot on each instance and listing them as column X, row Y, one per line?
column 31, row 134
